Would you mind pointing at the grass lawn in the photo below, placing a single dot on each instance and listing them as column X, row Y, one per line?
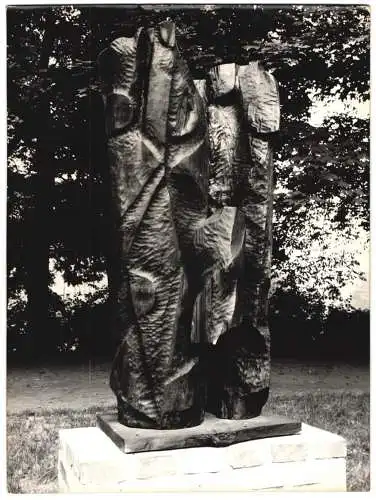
column 32, row 438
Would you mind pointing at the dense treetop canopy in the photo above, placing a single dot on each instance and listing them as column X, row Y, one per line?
column 55, row 138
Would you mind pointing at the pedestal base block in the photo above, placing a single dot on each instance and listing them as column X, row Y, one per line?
column 312, row 460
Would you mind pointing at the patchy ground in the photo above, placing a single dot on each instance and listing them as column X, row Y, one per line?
column 86, row 385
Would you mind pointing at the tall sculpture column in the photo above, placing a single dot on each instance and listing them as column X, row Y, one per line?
column 243, row 115
column 192, row 214
column 158, row 165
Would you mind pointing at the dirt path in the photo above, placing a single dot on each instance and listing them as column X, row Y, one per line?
column 86, row 385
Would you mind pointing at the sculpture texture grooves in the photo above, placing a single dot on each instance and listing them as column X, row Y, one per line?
column 191, row 179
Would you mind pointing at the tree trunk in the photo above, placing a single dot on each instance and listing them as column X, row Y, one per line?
column 38, row 276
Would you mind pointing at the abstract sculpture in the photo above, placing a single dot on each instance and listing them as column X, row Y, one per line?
column 191, row 178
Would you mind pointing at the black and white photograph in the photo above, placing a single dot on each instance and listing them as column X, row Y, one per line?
column 187, row 248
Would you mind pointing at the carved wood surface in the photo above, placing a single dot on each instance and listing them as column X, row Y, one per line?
column 191, row 179
column 212, row 432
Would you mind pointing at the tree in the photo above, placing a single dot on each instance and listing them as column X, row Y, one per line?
column 49, row 146
column 322, row 51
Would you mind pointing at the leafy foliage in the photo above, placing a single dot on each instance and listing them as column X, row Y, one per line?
column 321, row 172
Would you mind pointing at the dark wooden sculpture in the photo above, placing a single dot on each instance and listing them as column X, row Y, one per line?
column 191, row 178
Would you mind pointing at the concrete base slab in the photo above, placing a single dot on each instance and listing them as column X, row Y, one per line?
column 312, row 460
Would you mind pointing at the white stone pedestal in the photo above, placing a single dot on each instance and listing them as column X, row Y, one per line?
column 313, row 460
